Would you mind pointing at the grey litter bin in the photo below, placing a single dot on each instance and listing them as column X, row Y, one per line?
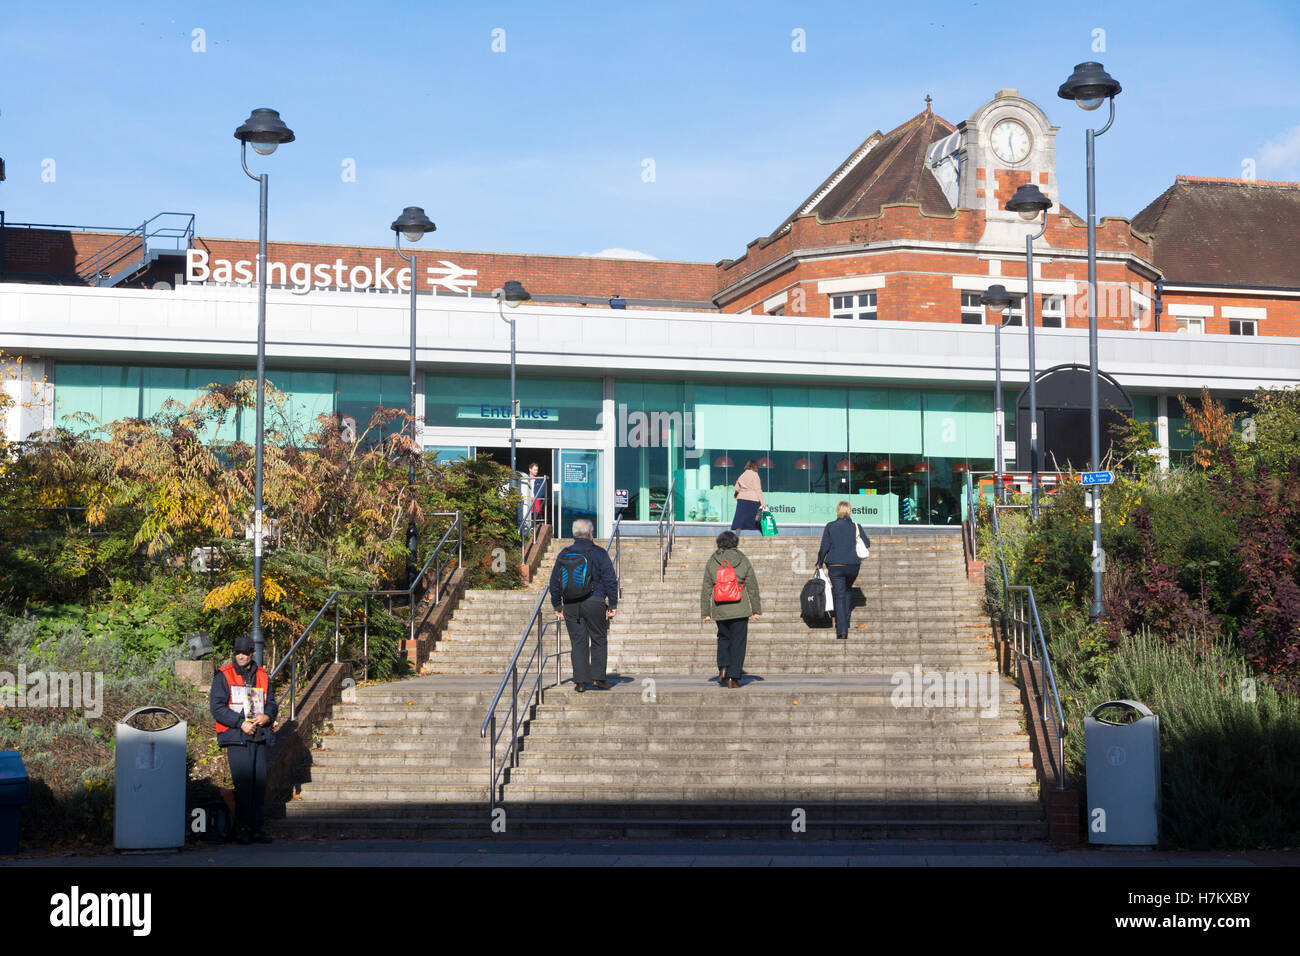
column 149, row 809
column 1123, row 766
column 13, row 797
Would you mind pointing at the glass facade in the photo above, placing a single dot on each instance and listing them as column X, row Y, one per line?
column 113, row 392
column 898, row 454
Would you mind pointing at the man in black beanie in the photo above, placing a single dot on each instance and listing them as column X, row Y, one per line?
column 244, row 708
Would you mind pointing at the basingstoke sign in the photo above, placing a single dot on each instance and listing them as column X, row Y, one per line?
column 323, row 275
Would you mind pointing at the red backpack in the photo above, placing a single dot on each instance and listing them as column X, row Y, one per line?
column 726, row 588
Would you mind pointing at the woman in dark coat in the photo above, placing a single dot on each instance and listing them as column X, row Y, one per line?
column 839, row 554
column 732, row 617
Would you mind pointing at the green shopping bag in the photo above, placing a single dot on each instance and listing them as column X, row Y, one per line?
column 767, row 524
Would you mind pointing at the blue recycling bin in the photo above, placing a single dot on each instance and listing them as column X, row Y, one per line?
column 13, row 797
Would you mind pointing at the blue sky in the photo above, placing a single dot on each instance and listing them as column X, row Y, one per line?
column 540, row 148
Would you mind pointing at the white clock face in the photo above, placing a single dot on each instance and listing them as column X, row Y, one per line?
column 1010, row 141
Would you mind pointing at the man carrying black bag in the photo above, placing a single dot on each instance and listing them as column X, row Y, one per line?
column 584, row 591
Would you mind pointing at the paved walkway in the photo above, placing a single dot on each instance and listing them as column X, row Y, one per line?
column 659, row 853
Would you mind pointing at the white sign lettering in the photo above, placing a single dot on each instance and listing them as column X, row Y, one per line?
column 302, row 276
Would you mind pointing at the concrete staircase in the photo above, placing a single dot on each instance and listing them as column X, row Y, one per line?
column 812, row 740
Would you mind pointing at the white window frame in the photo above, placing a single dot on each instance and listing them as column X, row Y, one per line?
column 972, row 313
column 854, row 305
column 1242, row 325
column 1056, row 312
column 1191, row 324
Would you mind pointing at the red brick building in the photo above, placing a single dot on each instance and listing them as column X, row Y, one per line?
column 909, row 227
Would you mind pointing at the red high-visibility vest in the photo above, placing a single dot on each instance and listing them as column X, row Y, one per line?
column 235, row 679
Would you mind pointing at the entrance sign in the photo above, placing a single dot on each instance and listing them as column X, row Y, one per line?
column 575, row 472
column 1097, row 478
column 527, row 413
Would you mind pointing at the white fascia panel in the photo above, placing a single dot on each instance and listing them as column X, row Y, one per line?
column 852, row 284
column 775, row 302
column 1012, row 284
column 1244, row 312
column 1191, row 309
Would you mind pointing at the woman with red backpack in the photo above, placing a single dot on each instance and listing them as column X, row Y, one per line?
column 731, row 600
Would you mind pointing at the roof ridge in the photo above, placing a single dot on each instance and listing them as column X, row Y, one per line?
column 1224, row 180
column 887, row 161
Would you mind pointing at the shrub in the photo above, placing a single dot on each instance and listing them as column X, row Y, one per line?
column 1230, row 764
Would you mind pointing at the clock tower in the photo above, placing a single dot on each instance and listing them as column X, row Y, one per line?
column 1006, row 143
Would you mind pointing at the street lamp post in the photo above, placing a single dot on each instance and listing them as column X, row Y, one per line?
column 997, row 298
column 264, row 131
column 413, row 224
column 511, row 294
column 1029, row 203
column 1088, row 85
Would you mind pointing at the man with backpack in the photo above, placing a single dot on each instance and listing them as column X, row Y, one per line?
column 730, row 599
column 584, row 591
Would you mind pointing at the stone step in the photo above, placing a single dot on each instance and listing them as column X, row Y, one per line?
column 647, row 820
column 326, row 765
column 778, row 789
column 738, row 782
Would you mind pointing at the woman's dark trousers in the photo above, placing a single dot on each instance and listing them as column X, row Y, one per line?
column 733, row 635
column 842, row 578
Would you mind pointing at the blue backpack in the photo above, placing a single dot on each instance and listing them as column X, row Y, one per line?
column 577, row 576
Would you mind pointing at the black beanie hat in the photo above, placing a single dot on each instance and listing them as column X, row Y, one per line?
column 244, row 644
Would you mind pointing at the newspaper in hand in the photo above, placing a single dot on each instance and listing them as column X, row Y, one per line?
column 250, row 701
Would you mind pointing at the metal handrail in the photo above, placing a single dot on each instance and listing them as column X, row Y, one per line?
column 1021, row 621
column 667, row 530
column 92, row 267
column 437, row 560
column 537, row 626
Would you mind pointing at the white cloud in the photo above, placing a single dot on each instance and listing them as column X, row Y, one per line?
column 617, row 253
column 1282, row 154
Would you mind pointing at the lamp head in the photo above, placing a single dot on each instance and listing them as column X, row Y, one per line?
column 413, row 224
column 513, row 293
column 264, row 131
column 1089, row 86
column 1028, row 202
column 997, row 298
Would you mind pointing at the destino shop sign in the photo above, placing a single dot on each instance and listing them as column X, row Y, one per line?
column 304, row 276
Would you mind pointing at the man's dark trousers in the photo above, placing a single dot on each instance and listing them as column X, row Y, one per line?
column 248, row 771
column 733, row 635
column 588, row 638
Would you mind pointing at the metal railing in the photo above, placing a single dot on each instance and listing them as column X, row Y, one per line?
column 439, row 560
column 1024, row 630
column 104, row 266
column 516, row 676
column 535, row 510
column 667, row 530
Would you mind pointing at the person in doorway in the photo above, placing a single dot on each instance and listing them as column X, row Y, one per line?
column 536, row 489
column 584, row 593
column 731, row 600
column 839, row 555
column 244, row 709
column 749, row 499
